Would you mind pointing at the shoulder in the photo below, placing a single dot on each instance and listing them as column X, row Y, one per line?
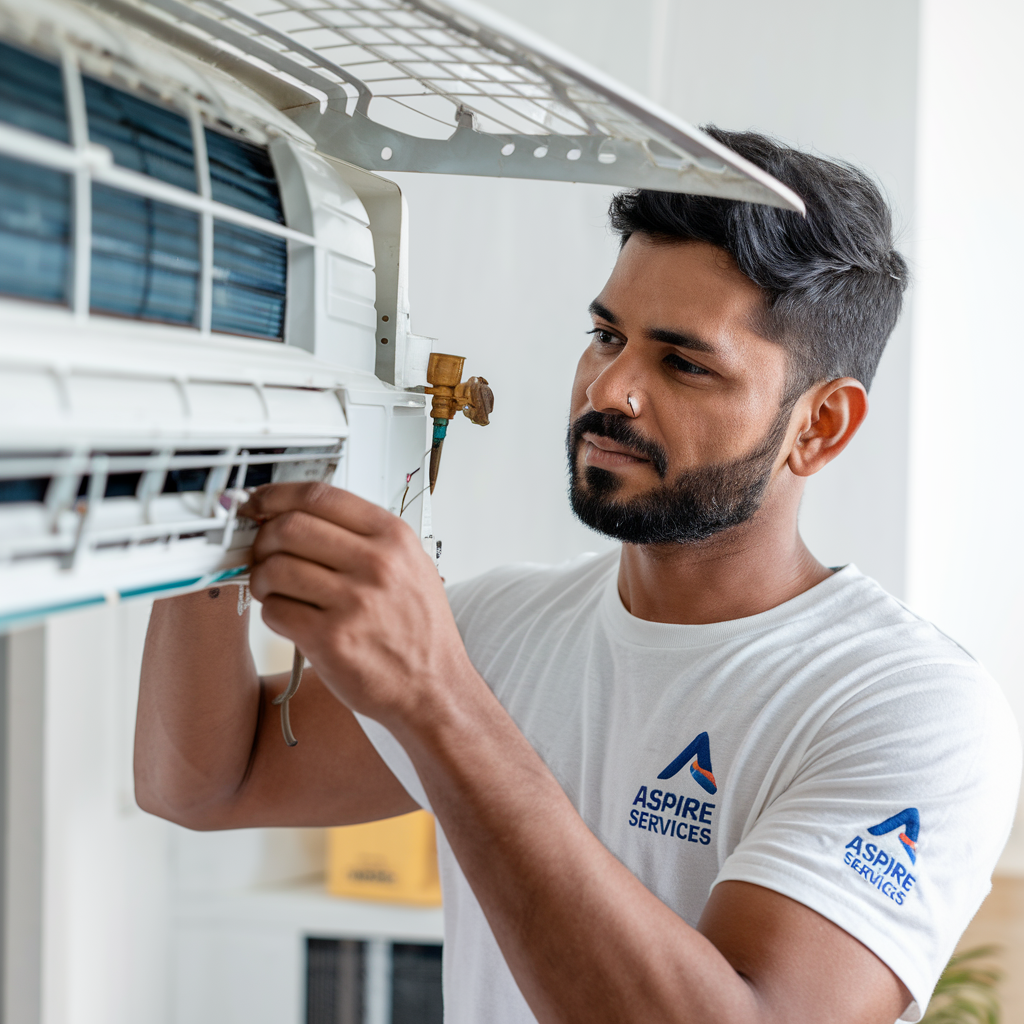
column 859, row 620
column 905, row 682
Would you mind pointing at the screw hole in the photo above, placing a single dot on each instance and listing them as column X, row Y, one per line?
column 508, row 149
column 385, row 318
column 383, row 341
column 540, row 151
column 574, row 154
column 386, row 153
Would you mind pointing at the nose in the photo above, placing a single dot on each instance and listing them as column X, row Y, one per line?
column 618, row 388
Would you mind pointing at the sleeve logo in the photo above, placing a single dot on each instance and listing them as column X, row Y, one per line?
column 881, row 869
column 908, row 837
column 700, row 769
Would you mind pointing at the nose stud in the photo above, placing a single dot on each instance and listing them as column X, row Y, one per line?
column 634, row 405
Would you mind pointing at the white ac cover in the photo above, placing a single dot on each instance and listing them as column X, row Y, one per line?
column 202, row 283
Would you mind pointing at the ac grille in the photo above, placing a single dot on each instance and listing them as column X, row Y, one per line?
column 52, row 503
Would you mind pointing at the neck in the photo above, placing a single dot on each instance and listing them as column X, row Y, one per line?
column 743, row 571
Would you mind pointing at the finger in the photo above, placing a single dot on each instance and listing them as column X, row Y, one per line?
column 331, row 503
column 284, row 575
column 312, row 538
column 293, row 619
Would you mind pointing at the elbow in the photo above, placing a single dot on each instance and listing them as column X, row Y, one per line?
column 151, row 802
column 178, row 806
column 193, row 818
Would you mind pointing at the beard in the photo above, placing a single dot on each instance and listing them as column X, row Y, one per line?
column 695, row 505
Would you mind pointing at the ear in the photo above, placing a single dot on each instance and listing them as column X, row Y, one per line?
column 832, row 413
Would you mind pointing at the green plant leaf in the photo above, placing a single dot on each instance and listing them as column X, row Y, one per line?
column 966, row 991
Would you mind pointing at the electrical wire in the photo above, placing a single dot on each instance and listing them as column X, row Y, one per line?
column 414, row 497
column 408, row 477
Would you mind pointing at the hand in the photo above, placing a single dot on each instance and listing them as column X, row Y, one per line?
column 351, row 585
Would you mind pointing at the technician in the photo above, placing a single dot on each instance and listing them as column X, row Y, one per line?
column 702, row 779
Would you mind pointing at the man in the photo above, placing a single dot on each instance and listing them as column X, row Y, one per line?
column 706, row 779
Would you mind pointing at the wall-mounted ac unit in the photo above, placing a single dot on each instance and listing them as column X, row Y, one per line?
column 203, row 284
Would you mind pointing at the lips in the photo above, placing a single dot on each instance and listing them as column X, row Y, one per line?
column 610, row 441
column 607, row 445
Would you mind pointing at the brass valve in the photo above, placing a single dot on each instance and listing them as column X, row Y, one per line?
column 450, row 395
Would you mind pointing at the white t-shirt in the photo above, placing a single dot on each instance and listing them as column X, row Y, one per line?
column 836, row 749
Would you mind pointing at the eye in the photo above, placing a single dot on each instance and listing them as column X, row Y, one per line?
column 677, row 362
column 603, row 337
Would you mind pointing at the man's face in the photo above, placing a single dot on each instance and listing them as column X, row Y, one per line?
column 676, row 428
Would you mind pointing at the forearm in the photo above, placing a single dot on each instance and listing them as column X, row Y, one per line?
column 199, row 703
column 584, row 939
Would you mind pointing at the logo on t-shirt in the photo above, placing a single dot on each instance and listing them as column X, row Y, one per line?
column 909, row 818
column 679, row 816
column 881, row 868
column 700, row 751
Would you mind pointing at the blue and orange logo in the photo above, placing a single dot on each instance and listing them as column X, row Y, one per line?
column 700, row 769
column 911, row 820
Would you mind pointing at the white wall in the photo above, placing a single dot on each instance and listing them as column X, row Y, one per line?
column 967, row 493
column 502, row 271
column 106, row 871
column 23, row 671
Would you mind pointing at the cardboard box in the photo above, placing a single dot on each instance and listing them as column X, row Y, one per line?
column 394, row 861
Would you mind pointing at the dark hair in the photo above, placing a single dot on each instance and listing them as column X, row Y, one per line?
column 833, row 282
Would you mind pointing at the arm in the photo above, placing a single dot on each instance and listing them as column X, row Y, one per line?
column 583, row 937
column 208, row 747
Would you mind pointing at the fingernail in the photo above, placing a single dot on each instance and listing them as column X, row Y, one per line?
column 233, row 496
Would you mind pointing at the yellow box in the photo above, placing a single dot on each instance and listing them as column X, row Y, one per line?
column 394, row 861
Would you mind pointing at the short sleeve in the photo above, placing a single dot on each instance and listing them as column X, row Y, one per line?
column 892, row 819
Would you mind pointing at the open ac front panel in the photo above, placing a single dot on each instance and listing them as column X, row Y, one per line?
column 130, row 396
column 202, row 284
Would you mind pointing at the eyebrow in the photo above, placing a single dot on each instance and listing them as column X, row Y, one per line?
column 596, row 309
column 663, row 334
column 681, row 340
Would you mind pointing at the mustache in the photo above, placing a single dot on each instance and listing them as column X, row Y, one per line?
column 621, row 431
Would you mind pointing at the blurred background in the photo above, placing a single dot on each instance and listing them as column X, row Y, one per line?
column 113, row 916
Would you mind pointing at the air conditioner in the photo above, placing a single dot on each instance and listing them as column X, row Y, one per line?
column 203, row 281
